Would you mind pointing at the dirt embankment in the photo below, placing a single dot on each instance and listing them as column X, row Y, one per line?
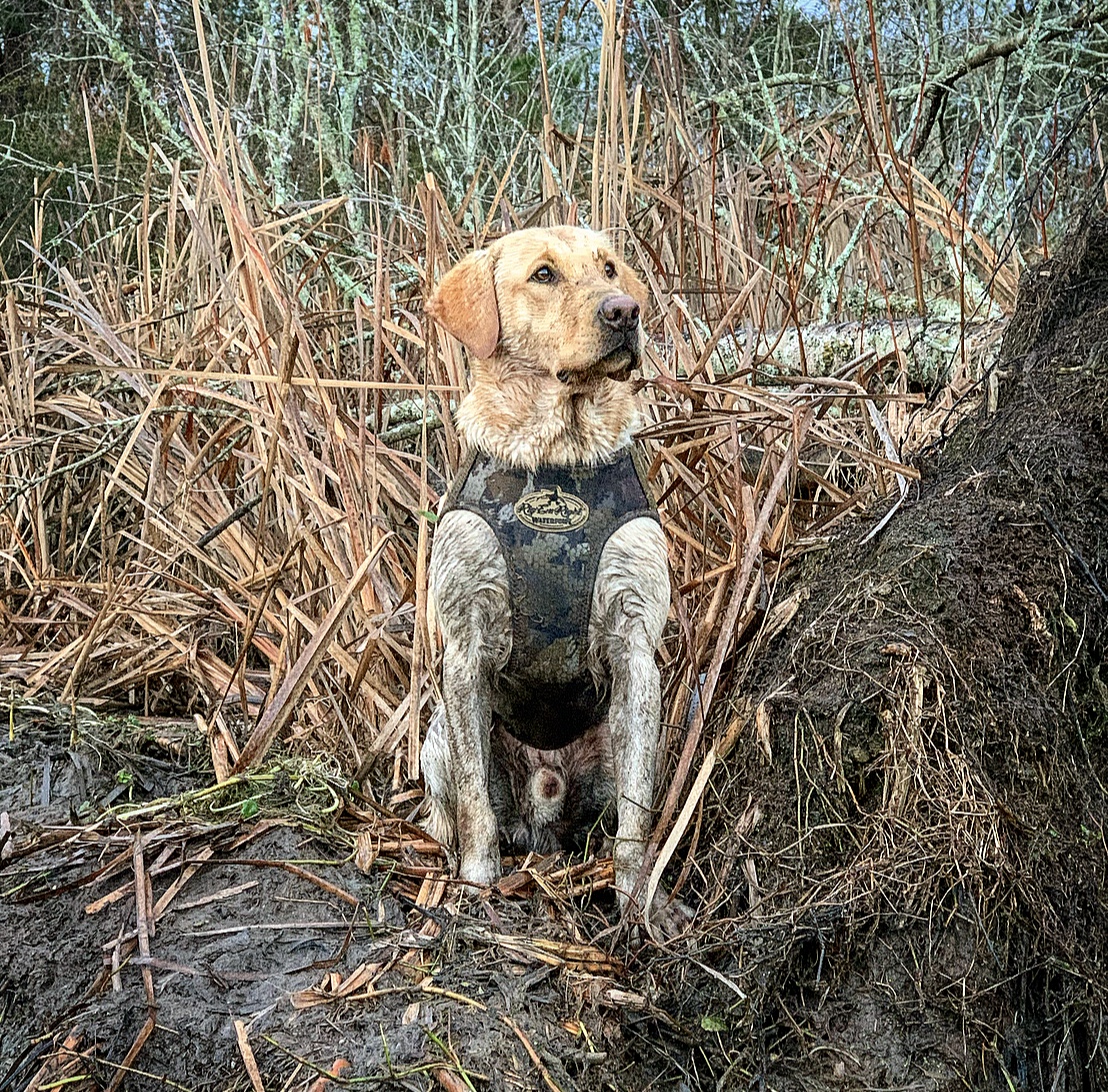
column 923, row 903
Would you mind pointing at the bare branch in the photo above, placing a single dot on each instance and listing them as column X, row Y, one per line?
column 937, row 93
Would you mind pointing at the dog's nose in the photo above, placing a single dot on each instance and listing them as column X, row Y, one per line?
column 619, row 312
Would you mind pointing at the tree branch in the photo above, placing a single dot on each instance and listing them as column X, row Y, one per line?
column 939, row 91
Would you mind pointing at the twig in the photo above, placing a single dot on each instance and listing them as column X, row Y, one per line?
column 140, row 1041
column 223, row 524
column 543, row 1071
column 1073, row 553
column 248, row 1059
column 937, row 94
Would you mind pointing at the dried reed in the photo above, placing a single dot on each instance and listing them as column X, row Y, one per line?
column 225, row 428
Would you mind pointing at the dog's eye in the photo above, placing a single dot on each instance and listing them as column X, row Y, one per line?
column 544, row 275
column 609, row 270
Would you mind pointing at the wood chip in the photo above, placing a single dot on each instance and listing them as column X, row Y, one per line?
column 337, row 1069
column 548, row 1080
column 248, row 1060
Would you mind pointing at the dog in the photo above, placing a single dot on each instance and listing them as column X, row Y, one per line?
column 549, row 581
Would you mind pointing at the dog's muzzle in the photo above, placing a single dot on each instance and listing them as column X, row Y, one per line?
column 618, row 319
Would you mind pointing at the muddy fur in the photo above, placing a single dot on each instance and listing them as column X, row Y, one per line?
column 543, row 801
column 532, row 817
column 552, row 320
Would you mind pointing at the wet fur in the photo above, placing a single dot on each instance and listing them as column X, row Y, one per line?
column 547, row 390
column 521, row 335
column 580, row 817
column 533, row 818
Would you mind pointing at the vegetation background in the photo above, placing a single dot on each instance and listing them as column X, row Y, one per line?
column 999, row 107
column 194, row 194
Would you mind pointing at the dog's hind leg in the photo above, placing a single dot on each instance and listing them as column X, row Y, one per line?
column 469, row 586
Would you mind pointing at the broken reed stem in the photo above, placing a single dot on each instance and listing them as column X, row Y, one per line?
column 706, row 691
column 547, row 1079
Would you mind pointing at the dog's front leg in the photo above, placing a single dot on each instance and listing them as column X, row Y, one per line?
column 466, row 687
column 469, row 595
column 633, row 720
column 630, row 604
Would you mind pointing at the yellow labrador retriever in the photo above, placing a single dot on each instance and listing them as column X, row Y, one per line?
column 549, row 581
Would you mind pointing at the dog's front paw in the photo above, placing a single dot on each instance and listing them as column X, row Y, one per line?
column 481, row 869
column 670, row 918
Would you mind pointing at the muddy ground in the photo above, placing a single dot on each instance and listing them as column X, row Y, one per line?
column 900, row 868
column 269, row 930
column 932, row 844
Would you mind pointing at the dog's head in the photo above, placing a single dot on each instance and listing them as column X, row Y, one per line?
column 558, row 301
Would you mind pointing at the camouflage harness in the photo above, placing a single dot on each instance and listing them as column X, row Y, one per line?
column 552, row 524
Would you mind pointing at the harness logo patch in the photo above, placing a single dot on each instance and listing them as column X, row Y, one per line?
column 551, row 510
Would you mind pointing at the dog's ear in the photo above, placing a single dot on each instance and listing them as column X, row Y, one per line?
column 464, row 301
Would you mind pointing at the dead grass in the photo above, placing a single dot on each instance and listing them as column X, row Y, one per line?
column 224, row 428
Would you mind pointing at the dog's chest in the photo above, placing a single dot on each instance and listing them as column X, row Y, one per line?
column 551, row 525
